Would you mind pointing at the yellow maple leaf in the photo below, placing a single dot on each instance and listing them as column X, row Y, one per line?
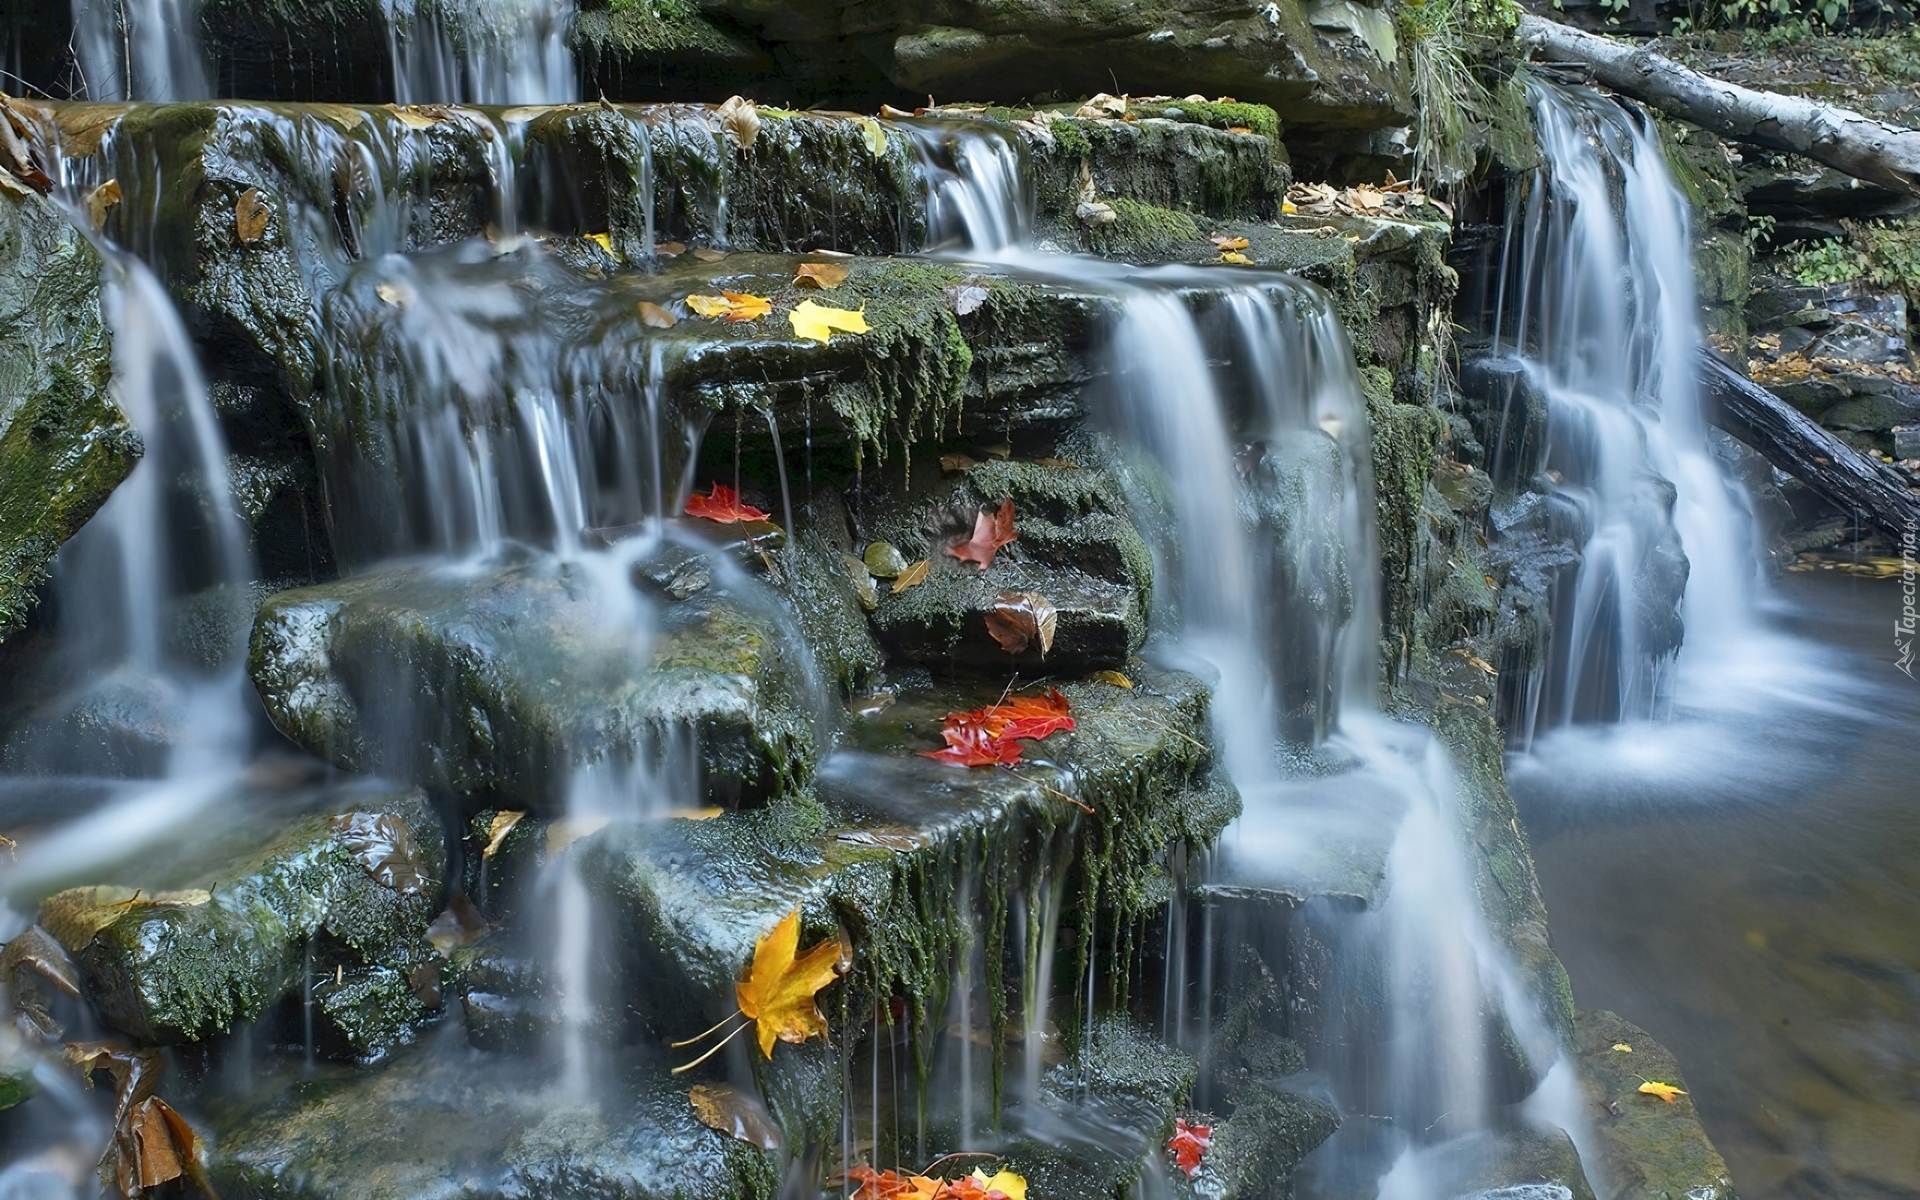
column 603, row 240
column 1622, row 1048
column 815, row 321
column 710, row 306
column 746, row 307
column 1287, row 206
column 1665, row 1091
column 1012, row 1186
column 1235, row 257
column 777, row 994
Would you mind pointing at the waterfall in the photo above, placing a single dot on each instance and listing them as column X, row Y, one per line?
column 140, row 50
column 1238, row 391
column 491, row 52
column 1598, row 299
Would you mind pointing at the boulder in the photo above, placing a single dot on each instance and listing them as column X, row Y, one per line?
column 323, row 887
column 1647, row 1148
column 64, row 444
column 504, row 682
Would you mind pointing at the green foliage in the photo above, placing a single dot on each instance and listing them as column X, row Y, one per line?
column 1884, row 253
column 1448, row 41
column 1831, row 261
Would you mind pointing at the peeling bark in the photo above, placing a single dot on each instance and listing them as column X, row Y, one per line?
column 1845, row 140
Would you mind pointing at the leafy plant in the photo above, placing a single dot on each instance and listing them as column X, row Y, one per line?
column 1448, row 40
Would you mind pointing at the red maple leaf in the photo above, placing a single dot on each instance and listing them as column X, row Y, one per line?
column 971, row 744
column 990, row 532
column 1190, row 1144
column 1030, row 716
column 723, row 505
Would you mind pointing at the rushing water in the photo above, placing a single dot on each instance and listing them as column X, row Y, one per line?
column 140, row 49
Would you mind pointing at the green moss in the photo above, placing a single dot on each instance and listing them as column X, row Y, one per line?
column 652, row 27
column 1141, row 231
column 1405, row 443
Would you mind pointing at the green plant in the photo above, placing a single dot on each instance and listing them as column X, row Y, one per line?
column 1831, row 261
column 1448, row 40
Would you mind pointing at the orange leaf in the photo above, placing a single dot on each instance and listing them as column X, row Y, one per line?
column 990, row 533
column 913, row 576
column 723, row 505
column 747, row 307
column 778, row 993
column 250, row 217
column 1190, row 1144
column 1030, row 716
column 1229, row 243
column 971, row 744
column 886, row 1185
column 1019, row 619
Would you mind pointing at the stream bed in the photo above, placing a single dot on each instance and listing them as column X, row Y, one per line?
column 1743, row 883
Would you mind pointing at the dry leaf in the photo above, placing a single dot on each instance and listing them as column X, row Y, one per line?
column 670, row 249
column 972, row 745
column 738, row 1114
column 709, row 306
column 747, row 307
column 696, row 814
column 722, row 504
column 990, row 533
column 100, row 199
column 820, row 275
column 568, row 830
column 1115, row 678
column 1019, row 619
column 1622, row 1048
column 778, row 993
column 34, row 949
column 741, row 121
column 966, row 298
column 1225, row 242
column 74, row 916
column 384, row 845
column 1665, row 1091
column 814, row 321
column 957, row 462
column 415, row 116
column 1236, row 258
column 708, row 254
column 913, row 576
column 250, row 217
column 602, row 240
column 497, row 831
column 653, row 315
column 874, row 134
column 82, row 126
column 459, row 925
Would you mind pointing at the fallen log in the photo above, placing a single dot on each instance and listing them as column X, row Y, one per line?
column 1793, row 442
column 1847, row 141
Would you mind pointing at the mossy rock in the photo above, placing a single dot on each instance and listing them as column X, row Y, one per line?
column 502, row 684
column 1648, row 1148
column 64, row 444
column 331, row 886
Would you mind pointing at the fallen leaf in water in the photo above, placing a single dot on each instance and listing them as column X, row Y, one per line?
column 384, row 846
column 1190, row 1144
column 152, row 1144
column 892, row 1185
column 747, row 307
column 1001, row 1185
column 497, row 831
column 913, row 576
column 670, row 249
column 815, row 321
column 971, row 745
column 708, row 254
column 990, row 533
column 1622, row 1048
column 1115, row 678
column 1031, row 717
column 957, row 462
column 778, row 993
column 1019, row 619
column 1236, row 258
column 966, row 298
column 1665, row 1091
column 250, row 217
column 653, row 315
column 568, row 830
column 722, row 504
column 741, row 121
column 414, row 116
column 459, row 925
column 82, row 126
column 738, row 1114
column 1228, row 243
column 820, row 275
column 710, row 306
column 100, row 199
column 164, row 1146
column 874, row 134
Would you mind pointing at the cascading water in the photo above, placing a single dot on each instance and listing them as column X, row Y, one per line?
column 1597, row 294
column 140, row 49
column 495, row 52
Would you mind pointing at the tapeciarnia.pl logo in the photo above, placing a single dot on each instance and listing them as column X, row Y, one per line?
column 1905, row 626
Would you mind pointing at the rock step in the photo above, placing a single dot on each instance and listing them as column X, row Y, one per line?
column 1646, row 1147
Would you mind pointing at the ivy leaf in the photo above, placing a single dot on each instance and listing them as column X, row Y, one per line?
column 778, row 993
column 813, row 321
column 1665, row 1091
column 1190, row 1144
column 1019, row 619
column 722, row 504
column 990, row 533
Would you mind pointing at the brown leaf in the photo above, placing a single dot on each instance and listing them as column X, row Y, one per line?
column 820, row 275
column 383, row 845
column 74, row 916
column 990, row 533
column 460, row 925
column 1019, row 619
column 659, row 318
column 738, row 1114
column 156, row 1158
column 913, row 576
column 99, row 200
column 957, row 462
column 82, row 126
column 741, row 121
column 670, row 249
column 250, row 217
column 33, row 949
column 708, row 254
column 425, row 982
column 498, row 829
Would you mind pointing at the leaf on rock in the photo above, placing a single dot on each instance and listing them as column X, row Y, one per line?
column 814, row 321
column 874, row 135
column 747, row 307
column 498, row 829
column 384, row 845
column 696, row 814
column 460, row 925
column 820, row 275
column 708, row 254
column 970, row 744
column 250, row 217
column 741, row 121
column 736, row 1113
column 1236, row 258
column 602, row 240
column 1228, row 243
column 722, row 504
column 892, row 1185
column 1020, row 619
column 1001, row 1185
column 670, row 249
column 1115, row 678
column 990, row 533
column 957, row 462
column 35, row 950
column 653, row 315
column 966, row 298
column 1190, row 1144
column 1665, row 1091
column 710, row 306
column 568, row 830
column 778, row 993
column 913, row 576
column 1622, row 1048
column 1030, row 716
column 416, row 116
column 100, row 199
column 74, row 916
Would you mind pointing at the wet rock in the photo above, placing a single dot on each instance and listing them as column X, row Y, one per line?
column 504, row 682
column 439, row 1121
column 1268, row 1134
column 1647, row 1147
column 1519, row 1164
column 329, row 888
column 1508, row 411
column 64, row 445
